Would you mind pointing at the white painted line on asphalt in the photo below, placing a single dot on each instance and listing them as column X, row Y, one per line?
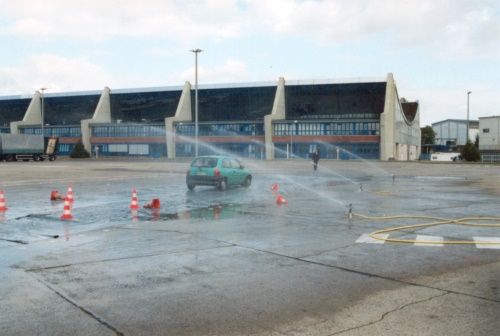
column 422, row 238
column 365, row 238
column 489, row 240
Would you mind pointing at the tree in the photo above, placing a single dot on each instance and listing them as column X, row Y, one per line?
column 470, row 152
column 79, row 151
column 428, row 135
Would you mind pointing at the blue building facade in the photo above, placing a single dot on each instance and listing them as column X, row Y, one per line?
column 344, row 119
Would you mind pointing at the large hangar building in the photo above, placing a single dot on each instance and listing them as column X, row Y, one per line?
column 360, row 118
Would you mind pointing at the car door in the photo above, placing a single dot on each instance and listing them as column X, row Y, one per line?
column 227, row 170
column 238, row 172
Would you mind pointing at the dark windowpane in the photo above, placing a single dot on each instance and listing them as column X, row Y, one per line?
column 144, row 106
column 233, row 104
column 69, row 110
column 12, row 110
column 339, row 101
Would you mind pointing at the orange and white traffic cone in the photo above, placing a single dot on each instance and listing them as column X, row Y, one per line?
column 274, row 187
column 55, row 196
column 155, row 204
column 2, row 202
column 280, row 200
column 134, row 205
column 67, row 210
column 70, row 193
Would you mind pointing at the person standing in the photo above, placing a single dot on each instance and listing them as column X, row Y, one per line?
column 315, row 158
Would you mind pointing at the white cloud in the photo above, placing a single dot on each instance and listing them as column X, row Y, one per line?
column 99, row 20
column 448, row 28
column 230, row 72
column 53, row 72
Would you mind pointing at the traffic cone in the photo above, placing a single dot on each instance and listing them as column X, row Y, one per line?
column 70, row 193
column 134, row 205
column 274, row 187
column 280, row 200
column 67, row 210
column 54, row 195
column 155, row 204
column 2, row 202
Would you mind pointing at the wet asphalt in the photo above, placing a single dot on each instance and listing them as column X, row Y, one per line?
column 237, row 263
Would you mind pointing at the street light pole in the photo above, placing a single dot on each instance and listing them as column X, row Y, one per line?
column 196, row 51
column 43, row 89
column 467, row 137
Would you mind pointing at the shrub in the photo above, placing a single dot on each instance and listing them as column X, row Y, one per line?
column 79, row 152
column 470, row 152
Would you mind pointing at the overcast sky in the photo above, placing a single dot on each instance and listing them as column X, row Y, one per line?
column 438, row 50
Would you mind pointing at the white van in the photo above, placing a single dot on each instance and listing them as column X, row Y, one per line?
column 445, row 156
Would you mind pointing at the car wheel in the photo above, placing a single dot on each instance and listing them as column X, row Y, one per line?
column 223, row 185
column 191, row 186
column 36, row 157
column 248, row 181
column 52, row 158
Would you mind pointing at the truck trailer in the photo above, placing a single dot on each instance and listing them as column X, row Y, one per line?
column 27, row 147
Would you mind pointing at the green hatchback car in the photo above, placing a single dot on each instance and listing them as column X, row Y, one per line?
column 218, row 171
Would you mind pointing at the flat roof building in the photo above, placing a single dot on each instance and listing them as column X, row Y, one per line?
column 360, row 118
column 489, row 138
column 453, row 131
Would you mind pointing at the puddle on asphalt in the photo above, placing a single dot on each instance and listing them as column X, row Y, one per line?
column 218, row 211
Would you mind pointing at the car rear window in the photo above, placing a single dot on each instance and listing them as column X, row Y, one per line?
column 204, row 162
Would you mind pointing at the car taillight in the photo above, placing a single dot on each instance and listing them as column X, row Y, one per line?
column 217, row 172
column 188, row 171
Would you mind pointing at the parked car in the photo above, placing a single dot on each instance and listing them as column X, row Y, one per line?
column 218, row 171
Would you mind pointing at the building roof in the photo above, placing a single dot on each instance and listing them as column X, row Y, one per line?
column 209, row 86
column 454, row 120
column 490, row 117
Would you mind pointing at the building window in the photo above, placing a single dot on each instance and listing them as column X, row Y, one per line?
column 486, row 130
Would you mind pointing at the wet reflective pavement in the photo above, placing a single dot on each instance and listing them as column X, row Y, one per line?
column 236, row 263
